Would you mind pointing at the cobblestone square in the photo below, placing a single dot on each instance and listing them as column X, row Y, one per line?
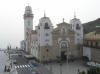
column 70, row 68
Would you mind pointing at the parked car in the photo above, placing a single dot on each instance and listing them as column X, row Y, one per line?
column 93, row 64
column 14, row 62
column 34, row 72
column 19, row 54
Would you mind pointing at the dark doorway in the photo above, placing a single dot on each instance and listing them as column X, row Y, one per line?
column 63, row 56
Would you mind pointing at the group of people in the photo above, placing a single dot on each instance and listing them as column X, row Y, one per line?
column 7, row 68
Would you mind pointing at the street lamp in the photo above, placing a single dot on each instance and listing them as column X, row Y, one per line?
column 50, row 66
column 60, row 68
column 10, row 60
column 60, row 63
column 68, row 53
column 8, row 48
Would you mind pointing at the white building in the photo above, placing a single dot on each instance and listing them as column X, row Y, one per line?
column 78, row 28
column 47, row 43
column 22, row 45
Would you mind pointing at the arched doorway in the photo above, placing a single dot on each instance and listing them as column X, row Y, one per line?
column 63, row 56
column 64, row 48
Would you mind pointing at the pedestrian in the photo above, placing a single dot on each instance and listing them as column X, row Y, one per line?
column 5, row 68
column 8, row 70
column 11, row 65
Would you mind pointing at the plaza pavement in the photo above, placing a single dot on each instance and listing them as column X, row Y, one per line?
column 70, row 68
column 5, row 61
column 41, row 69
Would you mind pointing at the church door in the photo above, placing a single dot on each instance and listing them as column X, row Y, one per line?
column 63, row 56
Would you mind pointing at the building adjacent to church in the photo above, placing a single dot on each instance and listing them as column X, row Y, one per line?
column 91, row 47
column 47, row 43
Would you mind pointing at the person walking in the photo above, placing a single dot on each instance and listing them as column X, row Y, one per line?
column 5, row 69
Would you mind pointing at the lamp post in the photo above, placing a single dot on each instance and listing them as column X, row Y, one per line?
column 60, row 63
column 67, row 54
column 50, row 66
column 60, row 68
column 68, row 51
column 10, row 59
column 8, row 48
column 67, row 58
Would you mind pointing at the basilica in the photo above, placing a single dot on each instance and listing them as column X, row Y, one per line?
column 47, row 43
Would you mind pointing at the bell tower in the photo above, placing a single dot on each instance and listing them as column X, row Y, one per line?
column 77, row 27
column 28, row 26
column 45, row 31
column 28, row 21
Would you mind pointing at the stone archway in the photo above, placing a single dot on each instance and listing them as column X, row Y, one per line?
column 64, row 48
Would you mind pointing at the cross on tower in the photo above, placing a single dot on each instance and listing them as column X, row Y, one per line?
column 44, row 14
column 63, row 19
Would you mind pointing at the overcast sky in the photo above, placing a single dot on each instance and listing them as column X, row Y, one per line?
column 11, row 15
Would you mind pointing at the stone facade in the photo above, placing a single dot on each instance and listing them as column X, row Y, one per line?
column 47, row 43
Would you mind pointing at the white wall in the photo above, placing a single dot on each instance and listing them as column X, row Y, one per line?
column 42, row 32
column 78, row 32
column 87, row 52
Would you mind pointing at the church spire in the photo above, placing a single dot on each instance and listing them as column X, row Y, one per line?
column 28, row 4
column 44, row 14
column 74, row 14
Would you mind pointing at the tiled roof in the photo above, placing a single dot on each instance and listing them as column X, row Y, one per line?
column 92, row 36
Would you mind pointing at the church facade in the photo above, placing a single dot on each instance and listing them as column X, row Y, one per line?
column 47, row 43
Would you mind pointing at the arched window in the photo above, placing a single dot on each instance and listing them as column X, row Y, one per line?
column 77, row 27
column 96, row 44
column 63, row 30
column 47, row 50
column 46, row 26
